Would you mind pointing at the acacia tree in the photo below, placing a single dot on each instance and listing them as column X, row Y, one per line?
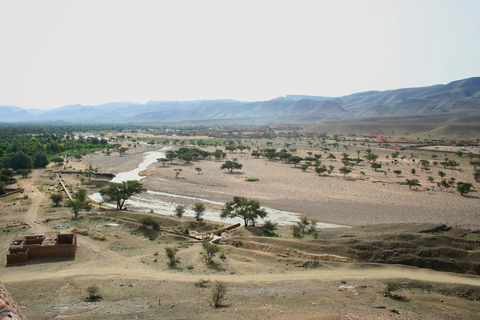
column 163, row 161
column 119, row 192
column 219, row 290
column 179, row 210
column 295, row 160
column 209, row 250
column 171, row 252
column 464, row 187
column 240, row 207
column 199, row 209
column 321, row 169
column 344, row 171
column 76, row 205
column 413, row 183
column 56, row 198
column 231, row 165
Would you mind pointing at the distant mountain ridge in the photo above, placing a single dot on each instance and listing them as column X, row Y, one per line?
column 459, row 99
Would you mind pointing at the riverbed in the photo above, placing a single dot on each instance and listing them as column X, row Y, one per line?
column 149, row 201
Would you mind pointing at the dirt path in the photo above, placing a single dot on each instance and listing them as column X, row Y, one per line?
column 31, row 218
column 37, row 198
column 346, row 272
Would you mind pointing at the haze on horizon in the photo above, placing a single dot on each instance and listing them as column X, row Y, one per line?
column 56, row 53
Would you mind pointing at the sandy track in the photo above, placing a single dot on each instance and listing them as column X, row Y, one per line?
column 346, row 272
column 37, row 198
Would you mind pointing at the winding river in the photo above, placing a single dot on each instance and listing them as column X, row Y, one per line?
column 147, row 201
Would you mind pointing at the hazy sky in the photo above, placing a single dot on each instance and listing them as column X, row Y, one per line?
column 55, row 53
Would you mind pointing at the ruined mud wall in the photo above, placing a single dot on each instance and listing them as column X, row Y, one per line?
column 41, row 252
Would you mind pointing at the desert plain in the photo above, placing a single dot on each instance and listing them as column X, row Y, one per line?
column 334, row 273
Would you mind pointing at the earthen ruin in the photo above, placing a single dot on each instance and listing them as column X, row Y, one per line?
column 26, row 247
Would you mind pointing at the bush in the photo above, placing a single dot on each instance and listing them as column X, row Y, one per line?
column 219, row 291
column 238, row 243
column 251, row 179
column 210, row 250
column 93, row 293
column 149, row 221
column 269, row 227
column 296, row 230
column 202, row 283
column 171, row 252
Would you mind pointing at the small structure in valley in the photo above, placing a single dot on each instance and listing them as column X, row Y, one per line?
column 26, row 247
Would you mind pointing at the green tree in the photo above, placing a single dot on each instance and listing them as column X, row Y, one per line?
column 219, row 291
column 240, row 207
column 177, row 172
column 56, row 198
column 199, row 209
column 171, row 253
column 198, row 169
column 397, row 172
column 413, row 183
column 371, row 157
column 18, row 160
column 425, row 164
column 476, row 175
column 58, row 160
column 120, row 192
column 209, row 251
column 24, row 172
column 375, row 166
column 295, row 160
column 163, row 161
column 179, row 210
column 170, row 155
column 40, row 160
column 269, row 227
column 321, row 169
column 344, row 171
column 256, row 154
column 464, row 187
column 76, row 205
column 122, row 150
column 231, row 165
column 219, row 154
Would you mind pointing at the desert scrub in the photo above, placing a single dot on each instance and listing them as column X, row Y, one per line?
column 251, row 179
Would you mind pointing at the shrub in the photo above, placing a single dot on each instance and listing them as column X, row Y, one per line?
column 171, row 252
column 251, row 179
column 93, row 293
column 202, row 283
column 210, row 250
column 219, row 291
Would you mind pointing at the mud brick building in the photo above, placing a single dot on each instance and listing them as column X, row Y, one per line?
column 26, row 247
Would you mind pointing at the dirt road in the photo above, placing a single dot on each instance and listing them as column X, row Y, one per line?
column 346, row 272
column 37, row 198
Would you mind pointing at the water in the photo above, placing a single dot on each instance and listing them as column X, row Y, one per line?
column 147, row 201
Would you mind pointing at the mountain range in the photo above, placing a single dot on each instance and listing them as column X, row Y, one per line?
column 456, row 99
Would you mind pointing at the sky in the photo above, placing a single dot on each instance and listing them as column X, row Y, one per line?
column 56, row 53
